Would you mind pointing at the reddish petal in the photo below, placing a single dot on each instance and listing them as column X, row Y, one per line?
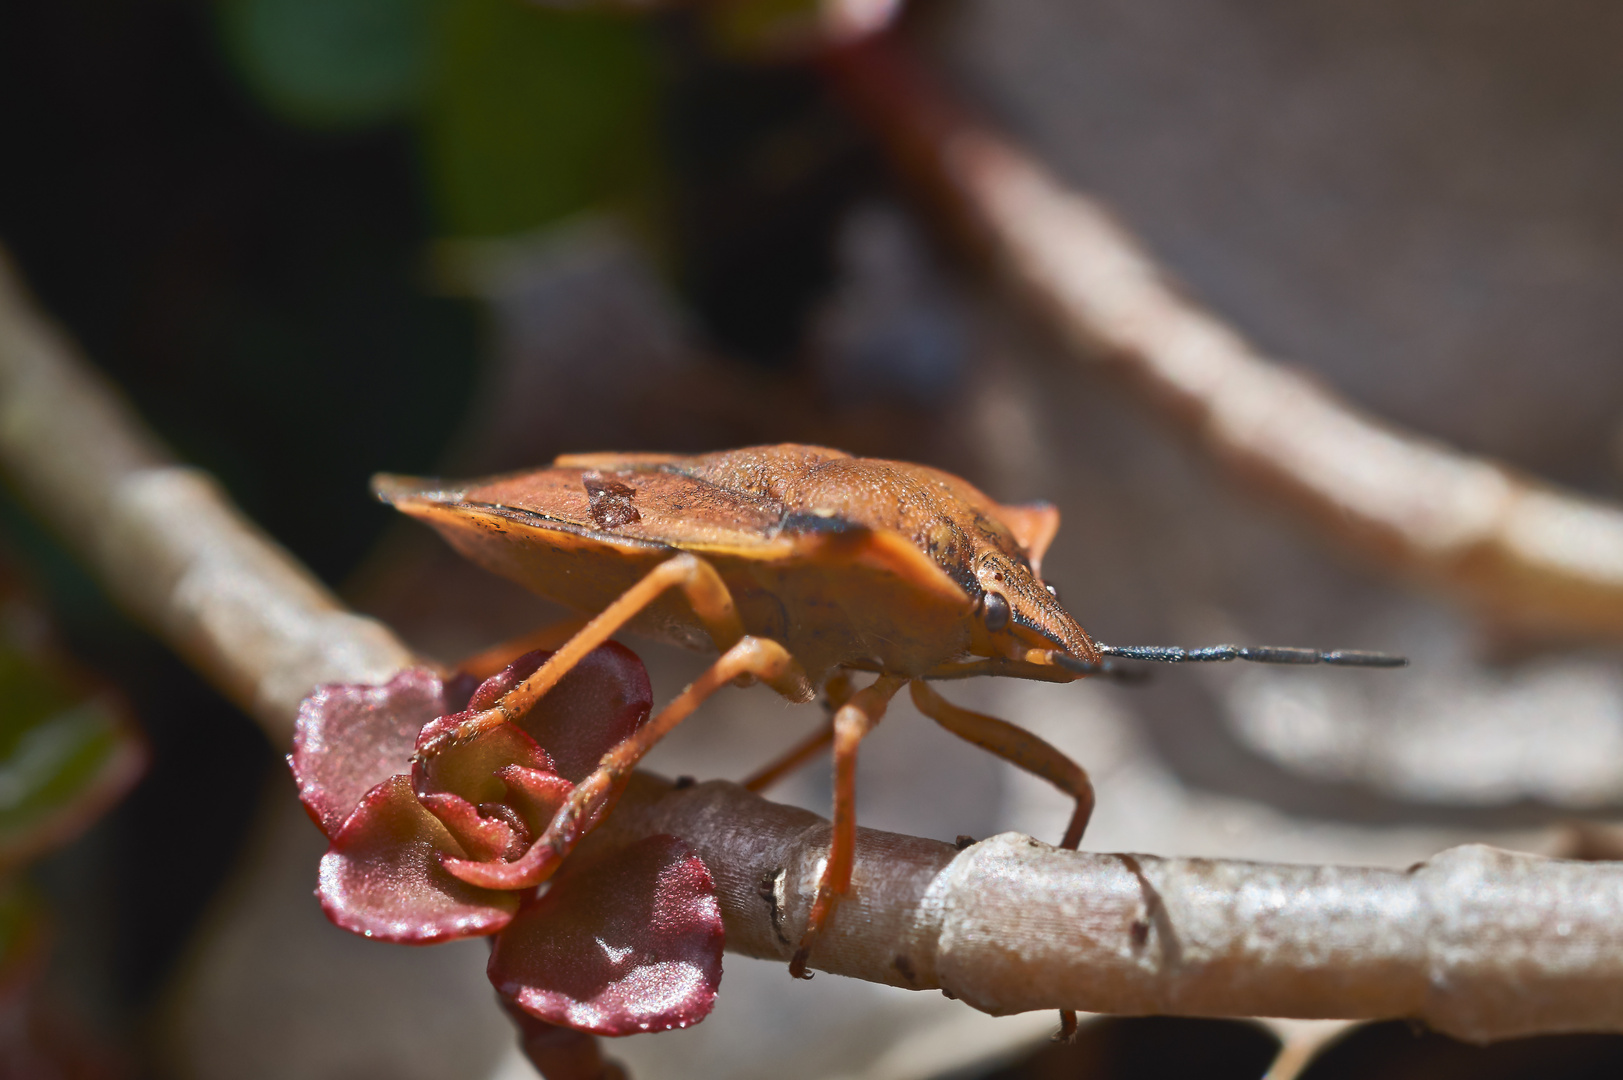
column 491, row 690
column 535, row 794
column 482, row 837
column 524, row 872
column 631, row 943
column 350, row 738
column 458, row 689
column 603, row 699
column 468, row 767
column 382, row 876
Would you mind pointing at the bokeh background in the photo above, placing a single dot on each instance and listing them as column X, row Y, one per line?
column 314, row 239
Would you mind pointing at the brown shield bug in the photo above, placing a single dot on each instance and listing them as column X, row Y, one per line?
column 801, row 565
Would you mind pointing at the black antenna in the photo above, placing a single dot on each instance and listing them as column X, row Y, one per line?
column 1257, row 654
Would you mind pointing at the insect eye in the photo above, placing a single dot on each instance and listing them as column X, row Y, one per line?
column 1053, row 590
column 997, row 612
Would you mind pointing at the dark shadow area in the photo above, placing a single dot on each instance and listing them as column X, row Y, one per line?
column 1397, row 1051
column 1151, row 1048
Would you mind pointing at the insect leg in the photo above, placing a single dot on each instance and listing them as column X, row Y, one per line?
column 484, row 664
column 594, row 795
column 852, row 721
column 705, row 590
column 1023, row 750
column 1018, row 747
column 837, row 691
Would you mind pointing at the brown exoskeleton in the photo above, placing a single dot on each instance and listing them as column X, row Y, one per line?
column 801, row 565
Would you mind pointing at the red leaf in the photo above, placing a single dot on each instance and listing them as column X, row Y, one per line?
column 603, row 699
column 534, row 795
column 470, row 767
column 382, row 876
column 628, row 944
column 351, row 738
column 484, row 837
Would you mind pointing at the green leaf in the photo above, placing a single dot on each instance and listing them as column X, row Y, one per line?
column 330, row 63
column 534, row 115
column 64, row 756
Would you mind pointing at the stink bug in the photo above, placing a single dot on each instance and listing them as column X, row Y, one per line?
column 801, row 565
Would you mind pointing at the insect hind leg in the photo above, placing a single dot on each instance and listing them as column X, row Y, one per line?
column 760, row 657
column 596, row 794
column 711, row 601
column 488, row 662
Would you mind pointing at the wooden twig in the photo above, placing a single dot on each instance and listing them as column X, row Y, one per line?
column 1523, row 554
column 1476, row 942
column 164, row 539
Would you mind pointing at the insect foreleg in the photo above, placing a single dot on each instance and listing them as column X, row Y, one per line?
column 1019, row 748
column 852, row 721
column 1023, row 750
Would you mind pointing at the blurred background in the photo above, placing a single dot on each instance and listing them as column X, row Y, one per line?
column 314, row 239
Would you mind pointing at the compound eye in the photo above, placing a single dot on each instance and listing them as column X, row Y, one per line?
column 997, row 612
column 1053, row 590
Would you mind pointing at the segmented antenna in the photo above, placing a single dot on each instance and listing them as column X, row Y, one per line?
column 1257, row 654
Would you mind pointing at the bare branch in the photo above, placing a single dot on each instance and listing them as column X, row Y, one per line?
column 1476, row 942
column 164, row 539
column 1523, row 554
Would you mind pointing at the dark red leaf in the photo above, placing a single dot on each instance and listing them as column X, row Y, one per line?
column 382, row 876
column 524, row 872
column 483, row 837
column 469, row 767
column 628, row 944
column 602, row 700
column 351, row 738
column 491, row 690
column 534, row 795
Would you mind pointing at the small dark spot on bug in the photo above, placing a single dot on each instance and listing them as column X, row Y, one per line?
column 948, row 994
column 996, row 611
column 1139, row 932
column 904, row 967
column 610, row 501
column 683, row 782
column 963, row 841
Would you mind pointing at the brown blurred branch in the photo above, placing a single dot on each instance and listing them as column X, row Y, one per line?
column 163, row 539
column 1476, row 942
column 1523, row 554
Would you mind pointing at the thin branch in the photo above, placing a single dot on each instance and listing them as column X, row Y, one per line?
column 1476, row 942
column 164, row 539
column 1523, row 554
